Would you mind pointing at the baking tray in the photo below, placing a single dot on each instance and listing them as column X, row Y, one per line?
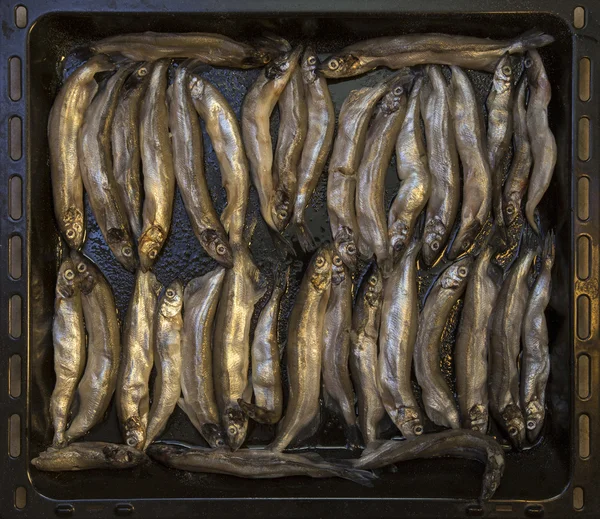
column 557, row 478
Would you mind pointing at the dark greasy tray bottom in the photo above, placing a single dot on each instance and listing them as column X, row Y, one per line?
column 538, row 474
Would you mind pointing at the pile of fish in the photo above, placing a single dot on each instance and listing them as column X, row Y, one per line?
column 125, row 127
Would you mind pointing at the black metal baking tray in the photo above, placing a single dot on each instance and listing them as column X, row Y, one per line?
column 560, row 477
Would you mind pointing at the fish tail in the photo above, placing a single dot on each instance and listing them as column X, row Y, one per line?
column 353, row 437
column 259, row 414
column 305, row 237
column 531, row 39
column 282, row 244
column 530, row 213
column 550, row 247
column 362, row 477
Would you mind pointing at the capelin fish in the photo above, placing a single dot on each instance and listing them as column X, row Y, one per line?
column 319, row 138
column 68, row 338
column 133, row 392
column 243, row 287
column 477, row 183
column 305, row 351
column 370, row 177
column 212, row 49
column 472, row 342
column 89, row 456
column 188, row 161
column 64, row 122
column 397, row 336
column 201, row 297
column 157, row 164
column 96, row 166
column 256, row 114
column 224, row 132
column 99, row 381
column 395, row 52
column 253, row 463
column 125, row 143
column 338, row 391
column 543, row 144
column 267, row 385
column 505, row 347
column 460, row 444
column 535, row 364
column 168, row 326
column 437, row 398
column 499, row 105
column 413, row 171
column 366, row 318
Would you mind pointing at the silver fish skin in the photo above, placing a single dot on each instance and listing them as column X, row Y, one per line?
column 64, row 122
column 499, row 105
column 125, row 144
column 505, row 347
column 133, row 391
column 453, row 443
column 168, row 326
column 201, row 297
column 472, row 342
column 157, row 164
column 366, row 318
column 437, row 398
column 97, row 170
column 89, row 456
column 225, row 134
column 397, row 336
column 442, row 158
column 413, row 171
column 68, row 338
column 433, row 48
column 370, row 177
column 535, row 364
column 267, row 384
column 253, row 463
column 317, row 145
column 305, row 352
column 543, row 143
column 210, row 48
column 256, row 114
column 99, row 381
column 477, row 184
column 243, row 287
column 188, row 161
column 338, row 391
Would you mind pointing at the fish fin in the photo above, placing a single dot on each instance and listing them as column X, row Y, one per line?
column 354, row 439
column 283, row 246
column 281, row 276
column 530, row 213
column 305, row 237
column 531, row 39
column 373, row 446
column 259, row 414
column 530, row 239
column 550, row 247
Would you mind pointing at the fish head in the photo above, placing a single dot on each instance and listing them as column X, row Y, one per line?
column 122, row 247
column 87, row 273
column 281, row 209
column 409, row 420
column 394, row 99
column 374, row 290
column 172, row 299
column 67, row 281
column 137, row 77
column 398, row 235
column 503, row 75
column 281, row 67
column 534, row 420
column 309, row 64
column 464, row 240
column 235, row 423
column 214, row 435
column 319, row 270
column 150, row 244
column 341, row 66
column 338, row 269
column 456, row 275
column 534, row 67
column 514, row 425
column 433, row 238
column 123, row 455
column 196, row 86
column 259, row 58
column 134, row 432
column 345, row 245
column 217, row 246
column 511, row 210
column 74, row 228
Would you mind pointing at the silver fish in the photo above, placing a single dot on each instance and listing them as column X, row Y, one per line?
column 168, row 325
column 437, row 398
column 64, row 122
column 99, row 381
column 201, row 297
column 157, row 163
column 304, row 352
column 68, row 338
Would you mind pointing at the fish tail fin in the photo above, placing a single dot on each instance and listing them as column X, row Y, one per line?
column 354, row 439
column 532, row 39
column 550, row 248
column 530, row 239
column 362, row 477
column 282, row 244
column 305, row 237
column 530, row 208
column 259, row 414
column 281, row 276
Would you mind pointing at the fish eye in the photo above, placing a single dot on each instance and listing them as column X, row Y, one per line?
column 337, row 261
column 418, row 430
column 282, row 215
column 528, row 62
column 266, row 58
column 462, row 272
column 372, row 281
column 320, row 261
column 512, row 430
column 351, row 248
column 397, row 245
column 476, row 428
column 170, row 293
column 81, row 267
column 220, row 443
column 131, row 441
column 69, row 274
column 127, row 251
column 152, row 254
column 70, row 233
column 221, row 249
column 333, row 64
column 530, row 425
column 398, row 91
column 142, row 72
column 231, row 429
column 312, row 60
column 435, row 245
column 506, row 70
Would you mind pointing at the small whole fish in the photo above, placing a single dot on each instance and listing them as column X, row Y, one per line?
column 157, row 163
column 442, row 159
column 535, row 364
column 472, row 342
column 366, row 318
column 168, row 325
column 89, row 456
column 96, row 166
column 317, row 145
column 68, row 338
column 188, row 161
column 99, row 381
column 64, row 122
column 437, row 398
column 477, row 184
column 305, row 351
column 133, row 392
column 413, row 171
column 201, row 297
column 397, row 336
column 543, row 143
